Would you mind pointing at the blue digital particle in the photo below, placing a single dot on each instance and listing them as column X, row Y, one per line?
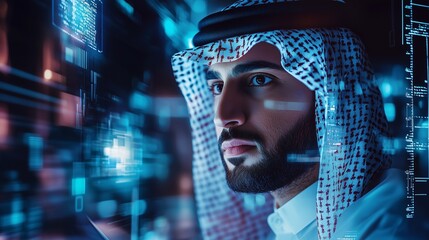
column 35, row 144
column 249, row 202
column 78, row 204
column 386, row 89
column 390, row 111
column 69, row 55
column 16, row 218
column 78, row 186
column 260, row 200
column 170, row 27
column 107, row 208
column 140, row 101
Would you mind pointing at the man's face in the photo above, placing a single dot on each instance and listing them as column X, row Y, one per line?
column 264, row 121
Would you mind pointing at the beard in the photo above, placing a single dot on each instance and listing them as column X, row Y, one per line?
column 273, row 171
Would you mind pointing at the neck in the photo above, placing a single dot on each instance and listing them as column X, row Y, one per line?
column 286, row 193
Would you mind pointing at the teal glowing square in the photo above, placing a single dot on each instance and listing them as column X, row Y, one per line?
column 78, row 186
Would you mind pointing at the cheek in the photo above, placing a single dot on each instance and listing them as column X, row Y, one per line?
column 277, row 123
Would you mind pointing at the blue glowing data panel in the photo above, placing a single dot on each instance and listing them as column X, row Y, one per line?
column 81, row 19
column 415, row 27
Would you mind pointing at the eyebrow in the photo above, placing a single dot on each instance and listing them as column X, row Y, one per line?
column 211, row 74
column 243, row 68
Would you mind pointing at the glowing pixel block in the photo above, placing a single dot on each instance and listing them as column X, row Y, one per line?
column 78, row 186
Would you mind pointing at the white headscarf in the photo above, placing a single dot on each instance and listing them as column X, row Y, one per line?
column 349, row 117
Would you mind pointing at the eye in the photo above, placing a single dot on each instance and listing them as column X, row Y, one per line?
column 216, row 88
column 260, row 80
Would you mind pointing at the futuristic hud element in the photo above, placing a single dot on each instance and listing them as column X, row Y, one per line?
column 94, row 133
column 415, row 28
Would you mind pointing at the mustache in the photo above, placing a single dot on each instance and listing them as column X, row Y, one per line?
column 230, row 133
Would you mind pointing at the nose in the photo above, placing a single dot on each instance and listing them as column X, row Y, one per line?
column 229, row 108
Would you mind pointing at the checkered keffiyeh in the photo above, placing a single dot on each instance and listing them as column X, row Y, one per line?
column 349, row 116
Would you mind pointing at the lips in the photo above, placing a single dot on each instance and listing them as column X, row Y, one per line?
column 235, row 147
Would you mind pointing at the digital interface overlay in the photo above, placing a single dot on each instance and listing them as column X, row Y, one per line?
column 415, row 25
column 81, row 19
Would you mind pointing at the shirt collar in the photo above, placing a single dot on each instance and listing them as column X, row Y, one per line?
column 296, row 214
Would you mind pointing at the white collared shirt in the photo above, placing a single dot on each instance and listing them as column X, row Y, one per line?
column 296, row 219
column 376, row 215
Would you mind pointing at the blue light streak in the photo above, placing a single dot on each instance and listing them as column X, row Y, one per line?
column 29, row 93
column 26, row 103
column 24, row 75
column 126, row 7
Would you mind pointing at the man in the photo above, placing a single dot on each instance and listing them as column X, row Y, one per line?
column 296, row 113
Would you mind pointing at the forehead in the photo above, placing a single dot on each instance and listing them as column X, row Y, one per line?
column 260, row 52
